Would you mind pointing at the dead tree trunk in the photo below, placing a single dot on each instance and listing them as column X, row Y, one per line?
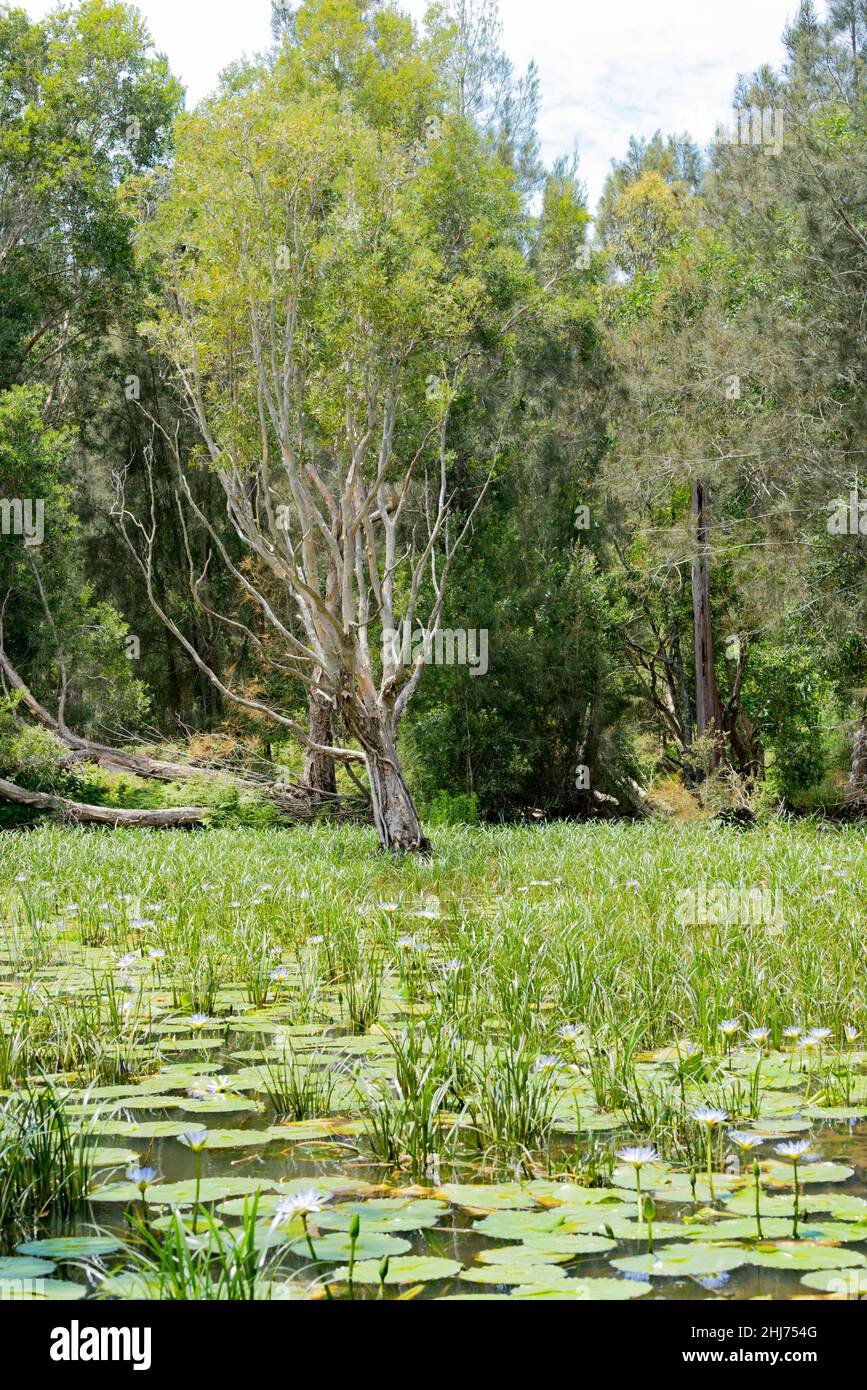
column 394, row 811
column 857, row 784
column 708, row 705
column 78, row 811
column 319, row 770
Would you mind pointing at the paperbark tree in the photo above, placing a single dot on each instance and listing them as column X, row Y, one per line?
column 330, row 290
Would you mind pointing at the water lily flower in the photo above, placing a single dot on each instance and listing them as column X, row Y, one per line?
column 729, row 1026
column 142, row 1177
column 745, row 1141
column 301, row 1204
column 758, row 1035
column 129, row 959
column 195, row 1139
column 851, row 1034
column 140, row 923
column 546, row 1064
column 156, row 953
column 198, row 1021
column 281, row 973
column 638, row 1155
column 710, row 1116
column 570, row 1031
column 794, row 1149
column 451, row 967
column 792, row 1032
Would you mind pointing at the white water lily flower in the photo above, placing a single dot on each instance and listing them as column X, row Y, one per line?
column 729, row 1026
column 744, row 1141
column 638, row 1155
column 546, row 1064
column 302, row 1204
column 795, row 1149
column 709, row 1115
column 195, row 1139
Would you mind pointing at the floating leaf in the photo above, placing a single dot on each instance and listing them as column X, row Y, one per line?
column 23, row 1267
column 403, row 1269
column 673, row 1260
column 337, row 1246
column 71, row 1247
column 802, row 1254
column 593, row 1290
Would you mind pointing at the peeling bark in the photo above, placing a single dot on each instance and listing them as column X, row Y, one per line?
column 319, row 771
column 857, row 784
column 394, row 811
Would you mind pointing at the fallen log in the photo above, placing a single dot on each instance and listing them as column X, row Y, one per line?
column 295, row 801
column 82, row 814
column 112, row 759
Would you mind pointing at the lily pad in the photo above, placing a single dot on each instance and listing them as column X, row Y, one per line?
column 337, row 1246
column 486, row 1196
column 671, row 1261
column 71, row 1247
column 592, row 1290
column 404, row 1269
column 527, row 1273
column 847, row 1283
column 23, row 1267
column 802, row 1254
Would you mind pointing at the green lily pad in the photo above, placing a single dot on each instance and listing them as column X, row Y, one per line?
column 527, row 1273
column 507, row 1196
column 71, row 1247
column 404, row 1269
column 23, row 1267
column 388, row 1214
column 802, row 1254
column 178, row 1194
column 679, row 1260
column 592, row 1290
column 63, row 1290
column 848, row 1283
column 337, row 1246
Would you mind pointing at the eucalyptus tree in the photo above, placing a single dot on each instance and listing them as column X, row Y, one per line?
column 329, row 290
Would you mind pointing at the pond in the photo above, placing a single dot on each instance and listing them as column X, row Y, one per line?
column 278, row 1063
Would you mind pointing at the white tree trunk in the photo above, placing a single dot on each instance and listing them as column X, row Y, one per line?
column 857, row 785
column 394, row 811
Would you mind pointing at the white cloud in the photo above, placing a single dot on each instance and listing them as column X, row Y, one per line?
column 608, row 71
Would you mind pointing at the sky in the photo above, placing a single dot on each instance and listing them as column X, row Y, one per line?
column 608, row 70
